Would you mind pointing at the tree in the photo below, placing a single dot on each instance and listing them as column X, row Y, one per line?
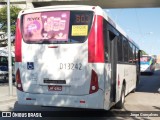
column 3, row 18
column 143, row 52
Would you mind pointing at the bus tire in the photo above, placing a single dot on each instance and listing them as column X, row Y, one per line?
column 134, row 90
column 137, row 83
column 120, row 104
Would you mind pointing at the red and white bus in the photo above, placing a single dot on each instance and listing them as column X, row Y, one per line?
column 73, row 56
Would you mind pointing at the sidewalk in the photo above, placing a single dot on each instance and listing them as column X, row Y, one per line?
column 4, row 93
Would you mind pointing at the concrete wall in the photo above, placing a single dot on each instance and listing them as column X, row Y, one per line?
column 102, row 3
column 23, row 4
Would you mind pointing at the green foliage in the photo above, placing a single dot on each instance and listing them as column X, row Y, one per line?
column 143, row 52
column 3, row 18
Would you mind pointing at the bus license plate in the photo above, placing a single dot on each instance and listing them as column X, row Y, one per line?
column 54, row 88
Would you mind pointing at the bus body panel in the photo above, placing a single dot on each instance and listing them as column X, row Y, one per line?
column 61, row 63
column 85, row 101
column 36, row 94
column 123, row 71
column 107, row 86
column 123, row 75
column 65, row 75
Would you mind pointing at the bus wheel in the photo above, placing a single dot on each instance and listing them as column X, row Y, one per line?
column 120, row 104
column 137, row 83
column 134, row 90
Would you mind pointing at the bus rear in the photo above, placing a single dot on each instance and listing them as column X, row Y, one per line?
column 52, row 57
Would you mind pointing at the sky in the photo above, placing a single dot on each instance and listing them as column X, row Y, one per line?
column 141, row 24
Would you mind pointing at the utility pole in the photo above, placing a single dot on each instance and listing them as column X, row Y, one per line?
column 9, row 49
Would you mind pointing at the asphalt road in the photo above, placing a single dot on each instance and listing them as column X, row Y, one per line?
column 146, row 98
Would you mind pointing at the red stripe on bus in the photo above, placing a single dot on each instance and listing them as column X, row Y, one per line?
column 95, row 41
column 18, row 43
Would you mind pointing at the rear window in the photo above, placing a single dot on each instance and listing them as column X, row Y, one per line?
column 145, row 59
column 56, row 26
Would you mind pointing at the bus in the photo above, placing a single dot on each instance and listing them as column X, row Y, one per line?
column 73, row 56
column 147, row 64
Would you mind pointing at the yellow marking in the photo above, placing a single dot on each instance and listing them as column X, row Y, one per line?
column 79, row 30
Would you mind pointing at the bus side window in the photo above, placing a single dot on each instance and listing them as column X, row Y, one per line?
column 106, row 42
column 125, row 49
column 134, row 54
column 106, row 51
column 130, row 52
column 119, row 49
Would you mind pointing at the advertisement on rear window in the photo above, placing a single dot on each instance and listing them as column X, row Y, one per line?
column 50, row 26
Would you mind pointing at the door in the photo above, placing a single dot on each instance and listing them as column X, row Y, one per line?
column 112, row 36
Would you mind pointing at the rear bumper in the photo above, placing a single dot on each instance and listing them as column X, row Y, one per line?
column 92, row 101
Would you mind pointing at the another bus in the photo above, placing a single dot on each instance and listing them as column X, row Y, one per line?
column 147, row 64
column 73, row 56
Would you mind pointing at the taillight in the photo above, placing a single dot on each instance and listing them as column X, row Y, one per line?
column 18, row 81
column 18, row 40
column 94, row 83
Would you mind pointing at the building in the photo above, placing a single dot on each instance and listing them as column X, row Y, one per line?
column 102, row 3
column 158, row 59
